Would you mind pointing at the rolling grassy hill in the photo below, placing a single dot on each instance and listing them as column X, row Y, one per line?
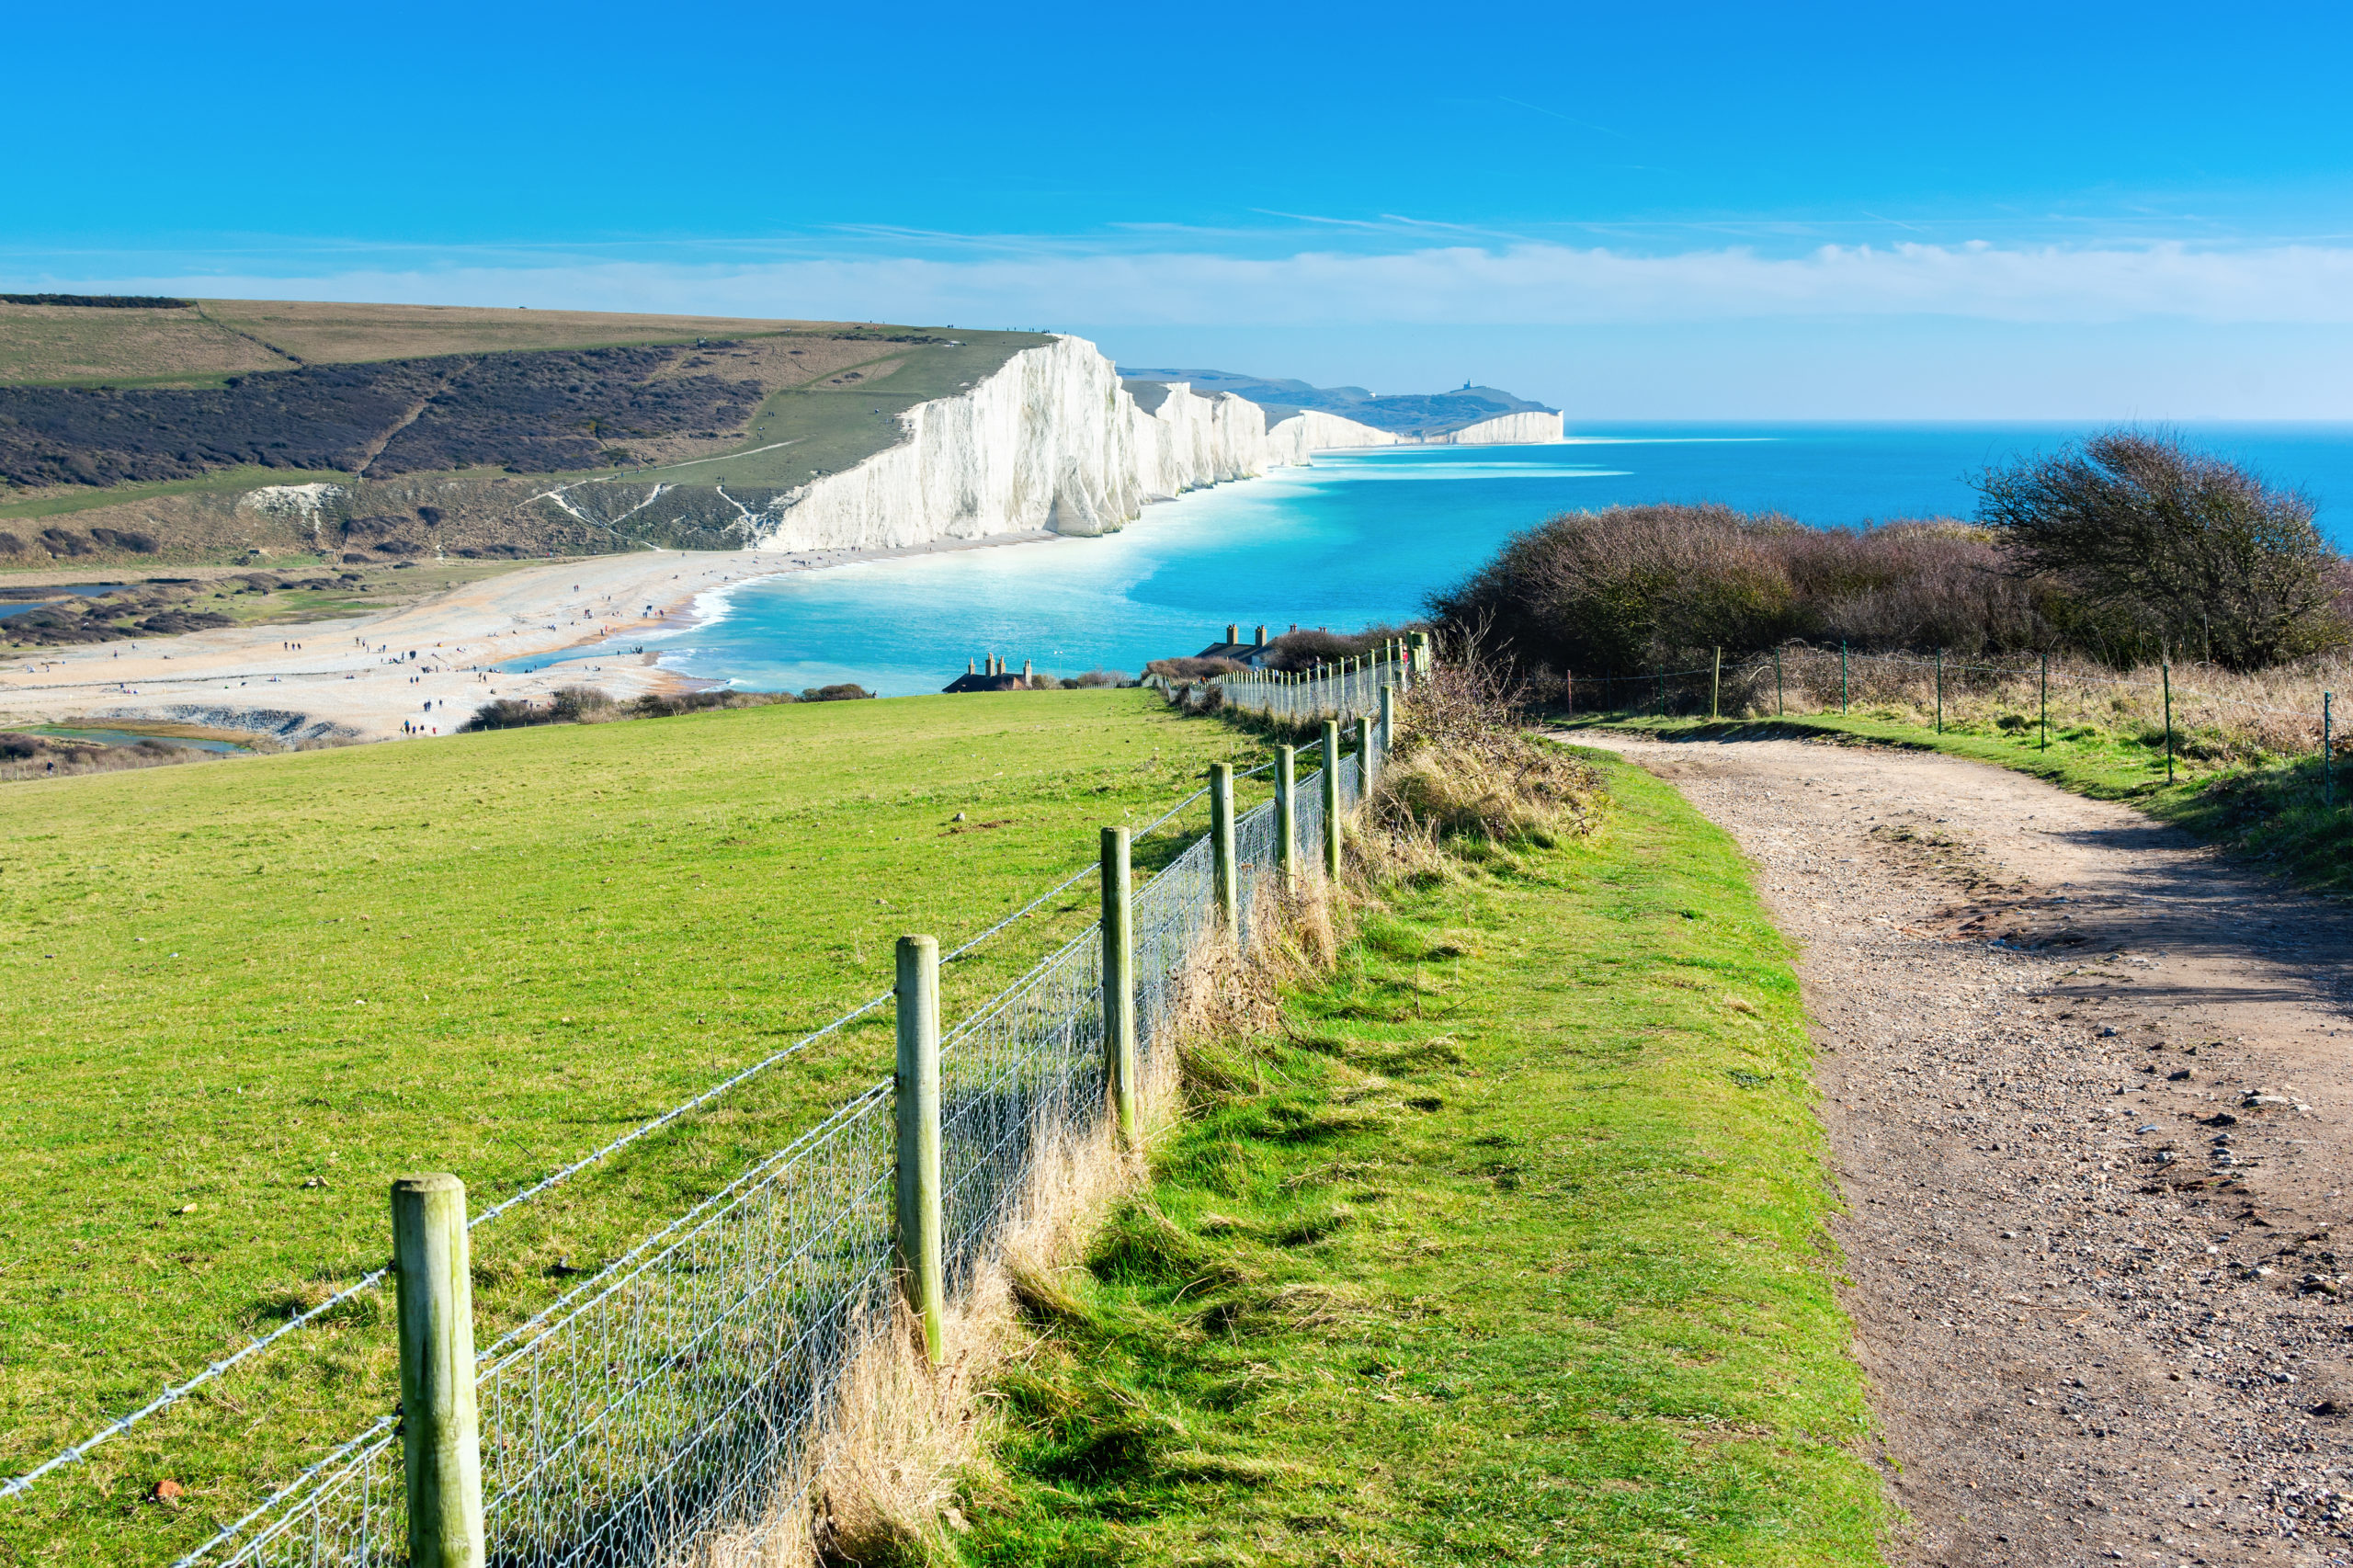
column 241, row 996
column 151, row 424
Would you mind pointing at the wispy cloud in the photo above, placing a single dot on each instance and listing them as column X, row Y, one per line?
column 1468, row 285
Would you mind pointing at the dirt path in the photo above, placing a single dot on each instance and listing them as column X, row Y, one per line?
column 2087, row 1089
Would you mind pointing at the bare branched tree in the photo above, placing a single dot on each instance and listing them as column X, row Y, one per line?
column 2168, row 551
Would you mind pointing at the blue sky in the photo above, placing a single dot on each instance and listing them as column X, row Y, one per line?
column 1981, row 212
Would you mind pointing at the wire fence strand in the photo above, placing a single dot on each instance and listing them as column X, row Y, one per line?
column 673, row 1400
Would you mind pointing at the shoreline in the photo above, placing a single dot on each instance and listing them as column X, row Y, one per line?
column 428, row 665
column 353, row 679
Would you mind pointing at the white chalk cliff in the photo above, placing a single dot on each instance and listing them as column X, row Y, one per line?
column 1051, row 441
column 1505, row 430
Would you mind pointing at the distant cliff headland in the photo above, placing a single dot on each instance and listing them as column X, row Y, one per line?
column 166, row 429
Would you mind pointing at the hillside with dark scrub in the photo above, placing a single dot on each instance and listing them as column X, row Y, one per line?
column 529, row 413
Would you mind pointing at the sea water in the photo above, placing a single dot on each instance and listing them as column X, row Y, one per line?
column 1358, row 538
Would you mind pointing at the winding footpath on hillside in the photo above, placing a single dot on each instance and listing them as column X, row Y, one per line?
column 2086, row 1086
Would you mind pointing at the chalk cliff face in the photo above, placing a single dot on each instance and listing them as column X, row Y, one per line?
column 1051, row 441
column 1311, row 430
column 1505, row 430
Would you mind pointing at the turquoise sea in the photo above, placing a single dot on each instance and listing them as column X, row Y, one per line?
column 1358, row 538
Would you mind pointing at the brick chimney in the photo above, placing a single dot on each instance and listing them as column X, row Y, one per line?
column 1262, row 637
column 1025, row 669
column 1232, row 632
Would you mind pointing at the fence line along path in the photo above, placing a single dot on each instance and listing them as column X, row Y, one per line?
column 674, row 1398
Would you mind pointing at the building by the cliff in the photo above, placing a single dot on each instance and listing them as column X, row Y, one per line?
column 1252, row 654
column 994, row 678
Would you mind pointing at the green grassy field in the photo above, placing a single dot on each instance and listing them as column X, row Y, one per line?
column 2273, row 811
column 240, row 996
column 74, row 345
column 1509, row 1249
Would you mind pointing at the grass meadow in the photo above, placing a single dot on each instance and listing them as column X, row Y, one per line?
column 239, row 997
column 1508, row 1247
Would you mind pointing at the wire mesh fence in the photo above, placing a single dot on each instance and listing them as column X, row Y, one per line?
column 1345, row 690
column 676, row 1397
column 2192, row 712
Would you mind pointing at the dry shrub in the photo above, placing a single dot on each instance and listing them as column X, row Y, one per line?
column 903, row 1435
column 1633, row 589
column 1465, row 768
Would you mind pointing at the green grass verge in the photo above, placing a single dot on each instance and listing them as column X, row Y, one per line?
column 225, row 984
column 1511, row 1250
column 2272, row 811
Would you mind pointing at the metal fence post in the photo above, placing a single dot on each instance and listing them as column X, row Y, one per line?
column 916, row 1095
column 1842, row 677
column 1120, row 981
column 1780, row 704
column 1331, row 799
column 2327, row 751
column 1287, row 816
column 1940, row 691
column 2046, row 701
column 1226, row 876
column 440, row 1433
column 1716, row 688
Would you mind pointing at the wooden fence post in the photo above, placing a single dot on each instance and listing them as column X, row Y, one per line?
column 1388, row 722
column 1940, row 691
column 2166, row 669
column 2046, row 701
column 916, row 1093
column 1287, row 816
column 440, row 1433
column 1120, row 981
column 1227, row 877
column 1716, row 688
column 1331, row 799
column 1368, row 757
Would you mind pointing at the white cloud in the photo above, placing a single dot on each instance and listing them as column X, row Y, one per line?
column 1464, row 286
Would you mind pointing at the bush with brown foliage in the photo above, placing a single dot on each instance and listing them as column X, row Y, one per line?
column 1633, row 589
column 2126, row 548
column 1306, row 650
column 1193, row 669
column 2165, row 551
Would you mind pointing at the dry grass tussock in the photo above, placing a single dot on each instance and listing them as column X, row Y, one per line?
column 1465, row 768
column 2219, row 714
column 903, row 1437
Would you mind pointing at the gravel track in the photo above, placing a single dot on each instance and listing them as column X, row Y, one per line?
column 2086, row 1089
